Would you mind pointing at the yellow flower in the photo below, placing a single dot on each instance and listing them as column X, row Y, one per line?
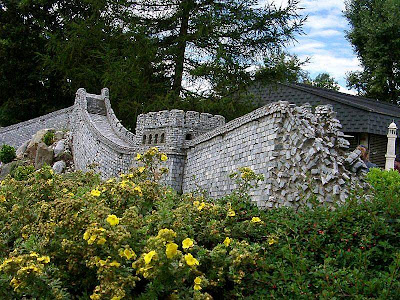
column 190, row 260
column 92, row 239
column 86, row 235
column 64, row 190
column 95, row 193
column 171, row 250
column 197, row 282
column 95, row 297
column 271, row 240
column 112, row 220
column 227, row 241
column 44, row 259
column 115, row 264
column 187, row 243
column 141, row 169
column 201, row 206
column 116, row 298
column 138, row 189
column 2, row 199
column 123, row 183
column 102, row 262
column 255, row 220
column 15, row 283
column 231, row 213
column 129, row 253
column 163, row 157
column 138, row 156
column 196, row 203
column 110, row 180
column 148, row 257
column 101, row 241
column 34, row 254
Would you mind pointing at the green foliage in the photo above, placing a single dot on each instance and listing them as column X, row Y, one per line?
column 7, row 153
column 282, row 67
column 22, row 172
column 71, row 236
column 48, row 138
column 324, row 80
column 374, row 33
column 197, row 43
column 143, row 60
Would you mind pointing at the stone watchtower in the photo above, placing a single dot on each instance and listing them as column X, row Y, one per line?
column 171, row 132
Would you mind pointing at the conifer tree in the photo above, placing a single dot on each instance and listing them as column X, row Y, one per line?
column 212, row 43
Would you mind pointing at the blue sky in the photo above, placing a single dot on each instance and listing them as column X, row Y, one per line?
column 324, row 40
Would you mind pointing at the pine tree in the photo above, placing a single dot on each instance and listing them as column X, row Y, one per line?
column 212, row 44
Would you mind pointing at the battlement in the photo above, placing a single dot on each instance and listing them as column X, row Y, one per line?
column 179, row 118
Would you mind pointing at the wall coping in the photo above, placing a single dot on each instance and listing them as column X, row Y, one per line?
column 81, row 106
column 281, row 106
column 37, row 119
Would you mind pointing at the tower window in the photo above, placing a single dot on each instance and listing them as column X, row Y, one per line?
column 144, row 139
column 150, row 139
column 188, row 137
column 156, row 139
column 162, row 138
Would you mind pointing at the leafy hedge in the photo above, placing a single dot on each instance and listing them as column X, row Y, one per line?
column 76, row 237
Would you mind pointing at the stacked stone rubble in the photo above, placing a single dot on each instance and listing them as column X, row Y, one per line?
column 312, row 159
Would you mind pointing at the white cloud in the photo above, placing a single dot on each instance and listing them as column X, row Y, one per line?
column 312, row 5
column 318, row 5
column 325, row 21
column 331, row 63
column 325, row 33
column 308, row 46
column 346, row 90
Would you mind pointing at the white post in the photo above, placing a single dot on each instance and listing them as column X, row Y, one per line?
column 391, row 147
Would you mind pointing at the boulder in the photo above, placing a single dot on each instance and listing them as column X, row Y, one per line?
column 21, row 150
column 34, row 142
column 6, row 169
column 59, row 148
column 58, row 135
column 44, row 155
column 59, row 167
column 65, row 156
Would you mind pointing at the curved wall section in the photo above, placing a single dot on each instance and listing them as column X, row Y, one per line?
column 99, row 140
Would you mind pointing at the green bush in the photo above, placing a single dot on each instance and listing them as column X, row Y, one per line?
column 7, row 154
column 22, row 172
column 77, row 237
column 48, row 138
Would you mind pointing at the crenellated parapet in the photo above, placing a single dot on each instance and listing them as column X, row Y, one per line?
column 171, row 130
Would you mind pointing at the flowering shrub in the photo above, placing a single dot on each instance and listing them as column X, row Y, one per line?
column 76, row 237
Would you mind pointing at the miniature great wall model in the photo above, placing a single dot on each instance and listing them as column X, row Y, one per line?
column 300, row 153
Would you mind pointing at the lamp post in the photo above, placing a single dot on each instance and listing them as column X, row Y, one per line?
column 391, row 146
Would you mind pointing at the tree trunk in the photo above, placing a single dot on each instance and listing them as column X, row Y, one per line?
column 181, row 46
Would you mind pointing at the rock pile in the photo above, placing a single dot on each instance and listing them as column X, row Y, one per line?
column 36, row 152
column 313, row 159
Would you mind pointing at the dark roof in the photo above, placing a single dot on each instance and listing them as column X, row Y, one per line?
column 357, row 114
column 364, row 103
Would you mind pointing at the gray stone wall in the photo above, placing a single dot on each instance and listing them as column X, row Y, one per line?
column 301, row 155
column 15, row 135
column 97, row 140
column 248, row 141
